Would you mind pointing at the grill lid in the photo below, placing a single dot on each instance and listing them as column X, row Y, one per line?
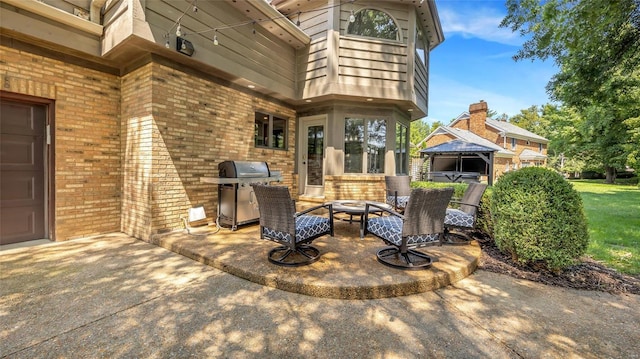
column 243, row 169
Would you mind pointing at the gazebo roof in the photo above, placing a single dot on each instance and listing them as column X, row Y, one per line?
column 457, row 146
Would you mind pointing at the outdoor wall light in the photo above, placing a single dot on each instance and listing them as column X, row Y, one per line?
column 184, row 46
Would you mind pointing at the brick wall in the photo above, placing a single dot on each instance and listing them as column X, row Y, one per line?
column 86, row 137
column 193, row 125
column 371, row 187
column 478, row 118
column 137, row 150
column 140, row 174
column 439, row 139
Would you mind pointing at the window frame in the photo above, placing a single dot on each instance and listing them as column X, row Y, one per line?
column 513, row 143
column 402, row 157
column 270, row 130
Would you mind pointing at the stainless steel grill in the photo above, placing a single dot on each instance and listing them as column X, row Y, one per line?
column 236, row 203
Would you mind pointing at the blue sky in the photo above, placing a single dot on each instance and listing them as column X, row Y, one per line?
column 475, row 63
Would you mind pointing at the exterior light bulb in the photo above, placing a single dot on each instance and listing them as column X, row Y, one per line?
column 215, row 40
column 352, row 17
column 167, row 44
column 183, row 46
column 179, row 30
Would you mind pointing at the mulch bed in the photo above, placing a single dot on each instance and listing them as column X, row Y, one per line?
column 587, row 275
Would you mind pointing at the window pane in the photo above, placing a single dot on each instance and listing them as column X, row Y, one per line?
column 353, row 145
column 405, row 154
column 270, row 131
column 261, row 129
column 279, row 139
column 401, row 149
column 376, row 137
column 315, row 155
column 421, row 45
column 373, row 23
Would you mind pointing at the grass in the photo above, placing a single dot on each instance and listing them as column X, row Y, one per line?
column 613, row 214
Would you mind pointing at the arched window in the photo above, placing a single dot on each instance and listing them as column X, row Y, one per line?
column 373, row 23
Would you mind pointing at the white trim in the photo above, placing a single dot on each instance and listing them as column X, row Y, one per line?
column 303, row 189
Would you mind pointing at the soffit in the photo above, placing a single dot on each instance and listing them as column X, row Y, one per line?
column 272, row 20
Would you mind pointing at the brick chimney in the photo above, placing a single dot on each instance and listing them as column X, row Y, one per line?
column 477, row 118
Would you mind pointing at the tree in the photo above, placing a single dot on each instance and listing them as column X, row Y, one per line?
column 419, row 132
column 494, row 115
column 562, row 124
column 596, row 45
column 531, row 119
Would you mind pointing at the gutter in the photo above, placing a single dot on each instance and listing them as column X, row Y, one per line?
column 436, row 22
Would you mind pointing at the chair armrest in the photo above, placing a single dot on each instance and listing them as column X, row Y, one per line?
column 328, row 206
column 382, row 209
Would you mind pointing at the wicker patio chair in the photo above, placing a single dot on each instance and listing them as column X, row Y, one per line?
column 459, row 220
column 295, row 231
column 421, row 225
column 398, row 191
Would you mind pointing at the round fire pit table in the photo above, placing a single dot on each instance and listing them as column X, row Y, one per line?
column 354, row 207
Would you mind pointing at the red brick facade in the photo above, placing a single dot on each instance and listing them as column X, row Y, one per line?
column 476, row 123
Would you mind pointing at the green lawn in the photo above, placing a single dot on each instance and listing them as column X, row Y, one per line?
column 613, row 213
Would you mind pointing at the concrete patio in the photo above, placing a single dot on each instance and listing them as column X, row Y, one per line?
column 117, row 297
column 348, row 268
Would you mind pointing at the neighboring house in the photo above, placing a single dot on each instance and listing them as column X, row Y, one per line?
column 513, row 146
column 113, row 110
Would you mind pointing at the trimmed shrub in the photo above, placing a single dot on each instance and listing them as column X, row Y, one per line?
column 538, row 218
column 458, row 188
column 484, row 223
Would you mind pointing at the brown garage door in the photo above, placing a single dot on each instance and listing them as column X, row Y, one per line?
column 22, row 188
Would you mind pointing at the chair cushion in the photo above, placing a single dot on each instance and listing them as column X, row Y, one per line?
column 402, row 201
column 307, row 226
column 390, row 229
column 458, row 218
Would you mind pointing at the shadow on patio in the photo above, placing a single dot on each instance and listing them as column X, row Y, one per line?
column 348, row 268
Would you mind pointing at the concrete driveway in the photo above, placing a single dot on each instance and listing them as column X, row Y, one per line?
column 117, row 297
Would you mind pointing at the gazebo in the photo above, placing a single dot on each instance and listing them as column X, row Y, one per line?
column 459, row 161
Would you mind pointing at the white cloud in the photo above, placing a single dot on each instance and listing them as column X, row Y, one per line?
column 476, row 22
column 453, row 98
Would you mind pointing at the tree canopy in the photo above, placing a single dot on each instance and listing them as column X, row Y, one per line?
column 419, row 131
column 596, row 45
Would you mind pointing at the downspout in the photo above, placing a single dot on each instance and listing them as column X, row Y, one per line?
column 95, row 10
